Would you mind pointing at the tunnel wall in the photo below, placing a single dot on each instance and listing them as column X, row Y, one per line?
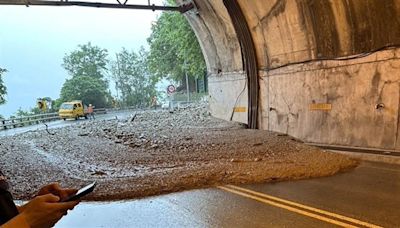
column 322, row 67
column 353, row 88
column 227, row 79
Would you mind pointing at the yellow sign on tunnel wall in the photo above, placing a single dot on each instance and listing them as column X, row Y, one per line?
column 239, row 109
column 320, row 106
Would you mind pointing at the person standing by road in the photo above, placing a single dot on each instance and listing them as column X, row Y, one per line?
column 44, row 210
column 91, row 111
column 154, row 102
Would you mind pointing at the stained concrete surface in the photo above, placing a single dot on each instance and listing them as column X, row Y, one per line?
column 368, row 193
column 292, row 38
column 353, row 88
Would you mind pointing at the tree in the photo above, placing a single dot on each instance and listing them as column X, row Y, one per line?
column 3, row 88
column 172, row 43
column 87, row 66
column 21, row 113
column 88, row 60
column 132, row 77
column 88, row 89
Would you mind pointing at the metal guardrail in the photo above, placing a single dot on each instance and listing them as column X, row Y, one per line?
column 47, row 117
column 39, row 118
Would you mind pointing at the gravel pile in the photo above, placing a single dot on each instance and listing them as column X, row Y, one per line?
column 155, row 152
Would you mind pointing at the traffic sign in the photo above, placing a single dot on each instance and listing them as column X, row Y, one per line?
column 171, row 89
column 42, row 104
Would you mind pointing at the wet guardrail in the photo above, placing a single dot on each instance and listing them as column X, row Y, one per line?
column 48, row 117
column 39, row 118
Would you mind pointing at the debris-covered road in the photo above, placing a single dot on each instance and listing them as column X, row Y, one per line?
column 157, row 152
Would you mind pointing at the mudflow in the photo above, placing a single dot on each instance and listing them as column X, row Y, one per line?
column 155, row 152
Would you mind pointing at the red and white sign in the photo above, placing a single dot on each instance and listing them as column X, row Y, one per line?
column 171, row 89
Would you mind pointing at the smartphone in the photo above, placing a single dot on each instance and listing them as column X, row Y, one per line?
column 82, row 192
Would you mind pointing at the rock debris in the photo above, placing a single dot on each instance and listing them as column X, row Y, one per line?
column 156, row 152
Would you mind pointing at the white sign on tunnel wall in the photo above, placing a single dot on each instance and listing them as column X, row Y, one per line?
column 320, row 107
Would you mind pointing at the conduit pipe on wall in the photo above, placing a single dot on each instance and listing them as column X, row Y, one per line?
column 249, row 59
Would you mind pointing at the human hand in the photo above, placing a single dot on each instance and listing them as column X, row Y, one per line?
column 45, row 210
column 55, row 189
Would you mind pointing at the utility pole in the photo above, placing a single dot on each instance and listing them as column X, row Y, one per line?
column 187, row 79
column 119, row 76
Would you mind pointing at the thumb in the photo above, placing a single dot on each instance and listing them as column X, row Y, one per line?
column 56, row 186
column 71, row 191
column 50, row 198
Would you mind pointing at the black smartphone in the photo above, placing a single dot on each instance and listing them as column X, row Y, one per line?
column 82, row 192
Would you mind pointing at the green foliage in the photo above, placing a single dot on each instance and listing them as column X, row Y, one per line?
column 172, row 43
column 3, row 88
column 36, row 110
column 88, row 60
column 87, row 66
column 33, row 111
column 22, row 113
column 56, row 104
column 88, row 89
column 132, row 77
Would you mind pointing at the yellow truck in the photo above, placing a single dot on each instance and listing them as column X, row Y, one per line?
column 73, row 110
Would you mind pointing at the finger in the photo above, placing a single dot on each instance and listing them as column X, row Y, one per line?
column 50, row 198
column 52, row 186
column 63, row 206
column 65, row 193
column 55, row 185
column 58, row 216
column 68, row 192
column 56, row 189
column 62, row 213
column 45, row 189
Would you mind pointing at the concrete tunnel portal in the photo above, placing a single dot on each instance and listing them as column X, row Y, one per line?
column 324, row 71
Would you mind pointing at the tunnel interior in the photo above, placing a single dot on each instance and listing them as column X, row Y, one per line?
column 326, row 72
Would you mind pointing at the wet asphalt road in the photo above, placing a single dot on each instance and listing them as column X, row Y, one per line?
column 368, row 196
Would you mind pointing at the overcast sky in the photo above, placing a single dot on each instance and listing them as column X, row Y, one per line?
column 34, row 40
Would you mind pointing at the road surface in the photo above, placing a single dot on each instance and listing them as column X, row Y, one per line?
column 368, row 196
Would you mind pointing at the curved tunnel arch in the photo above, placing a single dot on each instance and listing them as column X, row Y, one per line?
column 310, row 54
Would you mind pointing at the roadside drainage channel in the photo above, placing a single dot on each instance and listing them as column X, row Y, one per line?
column 367, row 154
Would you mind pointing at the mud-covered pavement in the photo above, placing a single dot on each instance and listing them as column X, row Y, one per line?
column 158, row 152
